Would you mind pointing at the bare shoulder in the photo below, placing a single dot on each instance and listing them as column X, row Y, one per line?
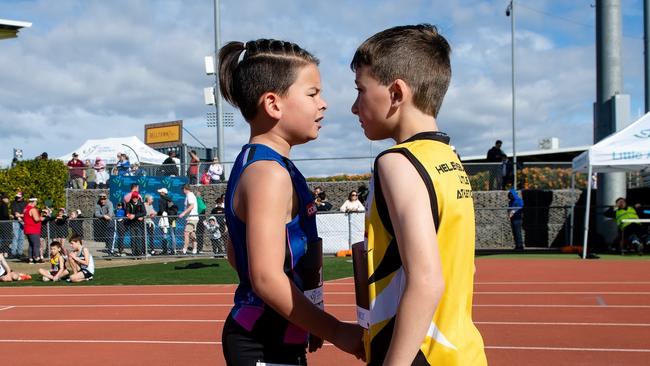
column 395, row 169
column 265, row 175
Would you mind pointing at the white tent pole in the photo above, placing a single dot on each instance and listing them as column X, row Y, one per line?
column 586, row 233
column 573, row 206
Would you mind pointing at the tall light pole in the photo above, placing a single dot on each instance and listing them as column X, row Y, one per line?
column 217, row 94
column 510, row 12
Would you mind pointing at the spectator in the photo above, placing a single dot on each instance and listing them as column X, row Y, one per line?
column 7, row 275
column 496, row 155
column 75, row 222
column 77, row 173
column 200, row 232
column 633, row 232
column 127, row 197
column 363, row 193
column 104, row 224
column 515, row 214
column 219, row 206
column 123, row 166
column 134, row 222
column 352, row 204
column 101, row 175
column 192, row 213
column 120, row 231
column 17, row 208
column 169, row 165
column 59, row 226
column 91, row 176
column 167, row 211
column 215, row 171
column 317, row 190
column 193, row 170
column 5, row 226
column 148, row 223
column 212, row 227
column 137, row 170
column 322, row 204
column 57, row 264
column 81, row 262
column 32, row 219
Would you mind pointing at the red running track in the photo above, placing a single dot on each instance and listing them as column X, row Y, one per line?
column 530, row 312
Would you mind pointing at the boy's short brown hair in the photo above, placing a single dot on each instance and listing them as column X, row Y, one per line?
column 417, row 54
column 75, row 238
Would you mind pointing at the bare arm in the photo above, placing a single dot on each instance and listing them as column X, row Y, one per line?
column 418, row 247
column 266, row 216
column 230, row 252
column 86, row 259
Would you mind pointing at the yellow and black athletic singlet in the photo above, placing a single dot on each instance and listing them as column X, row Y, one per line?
column 452, row 338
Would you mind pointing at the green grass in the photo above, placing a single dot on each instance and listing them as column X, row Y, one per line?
column 187, row 272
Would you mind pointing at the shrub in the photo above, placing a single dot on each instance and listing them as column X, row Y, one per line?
column 43, row 179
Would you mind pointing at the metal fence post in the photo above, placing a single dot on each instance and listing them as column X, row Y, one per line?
column 349, row 230
column 146, row 242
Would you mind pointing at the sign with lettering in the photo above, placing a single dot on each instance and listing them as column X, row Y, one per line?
column 162, row 134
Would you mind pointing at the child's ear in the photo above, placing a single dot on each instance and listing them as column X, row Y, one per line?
column 399, row 92
column 270, row 103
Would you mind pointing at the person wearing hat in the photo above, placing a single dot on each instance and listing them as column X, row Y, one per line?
column 135, row 214
column 32, row 219
column 167, row 211
column 17, row 207
column 77, row 173
column 104, row 226
column 101, row 175
column 215, row 171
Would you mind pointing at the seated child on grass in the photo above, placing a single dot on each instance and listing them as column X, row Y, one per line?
column 57, row 264
column 81, row 262
column 7, row 275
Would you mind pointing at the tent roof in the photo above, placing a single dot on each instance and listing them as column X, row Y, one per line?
column 108, row 148
column 626, row 150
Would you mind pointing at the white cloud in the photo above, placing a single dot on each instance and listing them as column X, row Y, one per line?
column 92, row 69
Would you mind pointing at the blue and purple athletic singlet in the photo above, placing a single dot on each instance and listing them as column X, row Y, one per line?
column 303, row 253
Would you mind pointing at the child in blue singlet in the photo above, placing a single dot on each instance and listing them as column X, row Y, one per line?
column 274, row 245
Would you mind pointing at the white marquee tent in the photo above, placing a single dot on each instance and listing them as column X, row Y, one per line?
column 108, row 148
column 626, row 150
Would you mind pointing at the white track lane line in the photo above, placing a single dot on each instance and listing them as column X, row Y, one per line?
column 6, row 308
column 561, row 292
column 329, row 305
column 567, row 283
column 567, row 324
column 345, row 321
column 214, row 343
column 566, row 349
column 86, row 295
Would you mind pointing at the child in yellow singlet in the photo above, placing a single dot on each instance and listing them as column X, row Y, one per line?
column 420, row 215
column 57, row 269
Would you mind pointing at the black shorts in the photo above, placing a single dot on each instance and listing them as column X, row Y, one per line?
column 87, row 274
column 241, row 348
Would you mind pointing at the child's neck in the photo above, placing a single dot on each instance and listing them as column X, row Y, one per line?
column 275, row 142
column 411, row 122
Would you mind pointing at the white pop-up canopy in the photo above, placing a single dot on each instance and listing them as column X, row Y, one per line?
column 626, row 150
column 108, row 148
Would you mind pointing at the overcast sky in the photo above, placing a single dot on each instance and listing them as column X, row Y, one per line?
column 94, row 69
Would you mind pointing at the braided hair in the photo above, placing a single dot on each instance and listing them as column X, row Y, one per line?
column 268, row 65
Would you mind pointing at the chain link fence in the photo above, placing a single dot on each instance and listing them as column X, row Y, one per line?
column 543, row 227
